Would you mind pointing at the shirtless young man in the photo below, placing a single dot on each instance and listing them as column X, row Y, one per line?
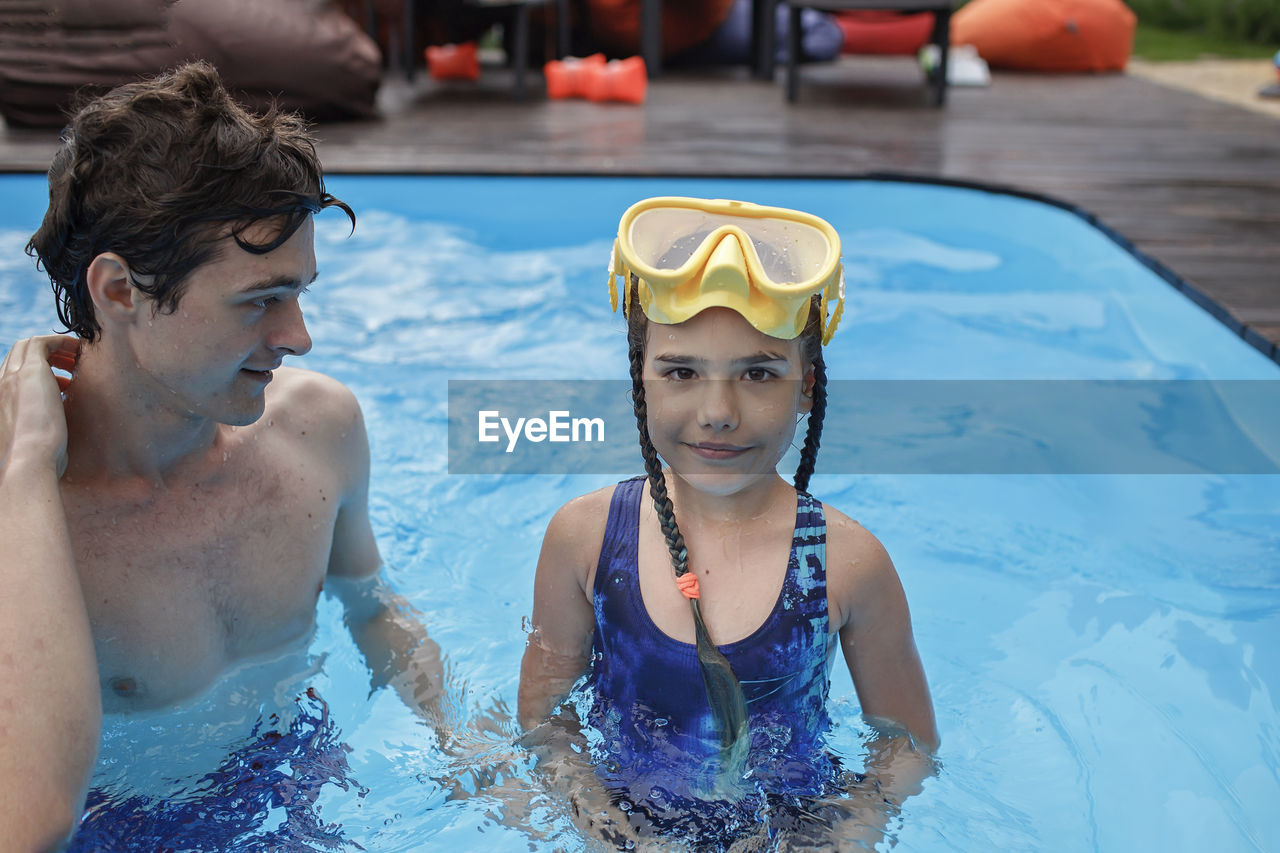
column 208, row 492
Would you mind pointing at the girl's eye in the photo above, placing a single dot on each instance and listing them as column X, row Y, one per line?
column 758, row 374
column 680, row 373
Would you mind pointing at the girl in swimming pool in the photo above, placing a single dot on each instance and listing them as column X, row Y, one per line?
column 706, row 616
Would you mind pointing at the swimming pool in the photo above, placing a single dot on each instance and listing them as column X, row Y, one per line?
column 1104, row 651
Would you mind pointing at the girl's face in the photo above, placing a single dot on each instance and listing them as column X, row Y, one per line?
column 723, row 399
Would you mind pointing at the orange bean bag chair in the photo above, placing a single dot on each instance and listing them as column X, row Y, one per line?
column 1047, row 35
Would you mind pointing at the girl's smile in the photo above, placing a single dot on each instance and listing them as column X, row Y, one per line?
column 708, row 450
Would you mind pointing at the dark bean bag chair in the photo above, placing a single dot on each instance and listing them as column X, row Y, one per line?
column 304, row 55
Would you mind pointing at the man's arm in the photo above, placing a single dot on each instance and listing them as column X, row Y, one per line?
column 385, row 627
column 50, row 706
column 396, row 648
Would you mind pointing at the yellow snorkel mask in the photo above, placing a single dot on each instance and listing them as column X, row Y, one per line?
column 766, row 263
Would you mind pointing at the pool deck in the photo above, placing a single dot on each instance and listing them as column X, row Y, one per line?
column 1194, row 183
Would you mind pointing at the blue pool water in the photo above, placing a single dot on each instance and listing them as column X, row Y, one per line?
column 1104, row 651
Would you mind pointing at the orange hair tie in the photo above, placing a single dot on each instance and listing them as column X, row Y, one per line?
column 688, row 584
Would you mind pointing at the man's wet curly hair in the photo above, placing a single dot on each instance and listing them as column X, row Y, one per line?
column 160, row 172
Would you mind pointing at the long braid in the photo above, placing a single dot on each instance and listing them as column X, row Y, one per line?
column 724, row 692
column 813, row 436
column 811, row 351
column 653, row 467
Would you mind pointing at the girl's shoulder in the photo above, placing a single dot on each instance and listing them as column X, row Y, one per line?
column 589, row 510
column 575, row 533
column 860, row 575
column 848, row 540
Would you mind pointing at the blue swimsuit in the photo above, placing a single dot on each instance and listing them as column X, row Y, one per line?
column 649, row 711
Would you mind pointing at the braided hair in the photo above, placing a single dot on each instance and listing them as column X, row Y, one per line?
column 811, row 351
column 728, row 703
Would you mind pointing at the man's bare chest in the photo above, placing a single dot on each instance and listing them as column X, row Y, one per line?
column 179, row 582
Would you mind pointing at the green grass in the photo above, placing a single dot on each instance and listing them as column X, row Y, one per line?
column 1160, row 45
column 1256, row 21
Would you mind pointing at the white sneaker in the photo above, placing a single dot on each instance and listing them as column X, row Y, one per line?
column 964, row 66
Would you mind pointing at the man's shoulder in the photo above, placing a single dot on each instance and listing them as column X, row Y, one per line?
column 312, row 410
column 304, row 397
column 297, row 384
column 313, row 423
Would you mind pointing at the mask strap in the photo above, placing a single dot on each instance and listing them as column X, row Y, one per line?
column 830, row 328
column 614, row 263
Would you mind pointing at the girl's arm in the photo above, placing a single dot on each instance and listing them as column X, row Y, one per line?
column 559, row 646
column 556, row 656
column 869, row 609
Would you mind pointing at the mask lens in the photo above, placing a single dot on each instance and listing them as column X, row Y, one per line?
column 788, row 251
column 665, row 238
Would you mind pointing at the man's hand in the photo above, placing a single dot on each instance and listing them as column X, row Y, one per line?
column 33, row 428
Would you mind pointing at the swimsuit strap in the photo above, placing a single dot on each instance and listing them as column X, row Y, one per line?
column 622, row 528
column 809, row 542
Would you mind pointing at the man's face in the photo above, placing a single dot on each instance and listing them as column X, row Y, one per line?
column 237, row 319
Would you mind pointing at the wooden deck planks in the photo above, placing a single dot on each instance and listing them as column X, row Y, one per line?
column 1191, row 182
